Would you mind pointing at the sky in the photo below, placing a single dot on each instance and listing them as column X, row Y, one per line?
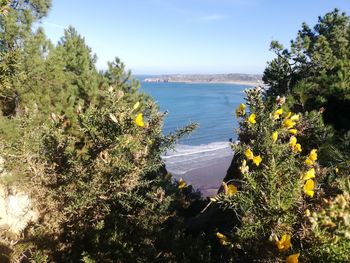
column 186, row 36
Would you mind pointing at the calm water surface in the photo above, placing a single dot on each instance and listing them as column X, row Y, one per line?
column 212, row 106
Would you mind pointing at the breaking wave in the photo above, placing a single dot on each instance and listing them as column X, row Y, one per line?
column 188, row 157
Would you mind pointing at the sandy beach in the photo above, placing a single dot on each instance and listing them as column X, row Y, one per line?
column 207, row 179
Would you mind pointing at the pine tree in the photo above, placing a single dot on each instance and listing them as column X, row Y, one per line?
column 15, row 35
column 315, row 71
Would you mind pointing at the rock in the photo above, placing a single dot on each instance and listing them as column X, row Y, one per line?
column 16, row 208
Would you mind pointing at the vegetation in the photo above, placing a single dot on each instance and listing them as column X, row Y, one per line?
column 85, row 147
column 277, row 186
column 315, row 71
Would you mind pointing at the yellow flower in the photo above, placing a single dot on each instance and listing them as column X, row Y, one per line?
column 182, row 183
column 295, row 117
column 251, row 118
column 309, row 188
column 244, row 167
column 275, row 136
column 293, row 258
column 223, row 239
column 284, row 243
column 257, row 160
column 297, row 148
column 336, row 170
column 292, row 141
column 288, row 123
column 313, row 155
column 240, row 111
column 309, row 162
column 231, row 189
column 277, row 114
column 249, row 154
column 309, row 174
column 293, row 131
column 139, row 120
column 288, row 115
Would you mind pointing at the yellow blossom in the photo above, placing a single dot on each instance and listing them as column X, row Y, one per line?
column 313, row 155
column 249, row 154
column 293, row 131
column 182, row 183
column 244, row 167
column 288, row 115
column 309, row 174
column 277, row 114
column 288, row 123
column 309, row 188
column 257, row 160
column 223, row 239
column 292, row 141
column 251, row 118
column 139, row 120
column 284, row 243
column 336, row 170
column 275, row 136
column 309, row 162
column 231, row 189
column 293, row 258
column 240, row 111
column 297, row 148
column 295, row 117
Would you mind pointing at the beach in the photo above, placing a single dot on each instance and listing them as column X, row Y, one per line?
column 203, row 167
column 207, row 179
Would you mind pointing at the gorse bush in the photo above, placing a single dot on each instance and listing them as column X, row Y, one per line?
column 330, row 230
column 100, row 185
column 279, row 180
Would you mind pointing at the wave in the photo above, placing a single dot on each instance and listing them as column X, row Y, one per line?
column 188, row 157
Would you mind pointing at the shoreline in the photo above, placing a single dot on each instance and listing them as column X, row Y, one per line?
column 244, row 83
column 207, row 179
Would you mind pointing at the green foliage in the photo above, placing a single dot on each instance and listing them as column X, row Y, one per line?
column 19, row 51
column 271, row 199
column 315, row 71
column 100, row 183
column 330, row 228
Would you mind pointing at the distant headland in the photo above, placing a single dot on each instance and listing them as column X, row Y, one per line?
column 232, row 78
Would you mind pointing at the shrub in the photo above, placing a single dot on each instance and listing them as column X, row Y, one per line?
column 278, row 180
column 97, row 179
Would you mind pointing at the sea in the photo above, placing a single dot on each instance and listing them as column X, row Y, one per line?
column 210, row 105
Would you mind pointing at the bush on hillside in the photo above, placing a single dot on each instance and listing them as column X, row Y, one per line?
column 100, row 185
column 278, row 182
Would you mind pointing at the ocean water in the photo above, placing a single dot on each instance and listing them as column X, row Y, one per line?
column 210, row 105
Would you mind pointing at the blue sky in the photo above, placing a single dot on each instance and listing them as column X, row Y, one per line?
column 186, row 36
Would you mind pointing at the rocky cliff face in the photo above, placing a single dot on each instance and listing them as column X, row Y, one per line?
column 16, row 208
